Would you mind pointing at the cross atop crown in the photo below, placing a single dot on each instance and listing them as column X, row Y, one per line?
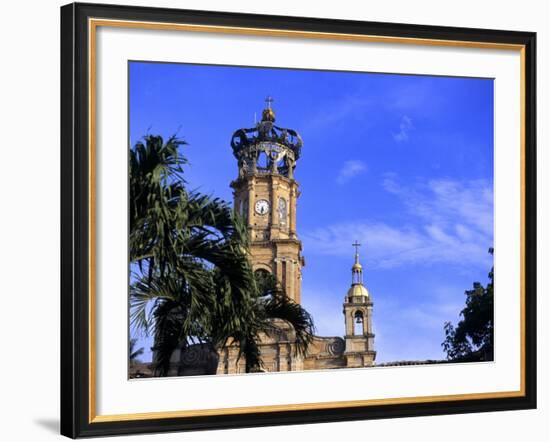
column 356, row 245
column 269, row 101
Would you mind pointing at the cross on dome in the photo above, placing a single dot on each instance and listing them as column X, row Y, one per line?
column 357, row 268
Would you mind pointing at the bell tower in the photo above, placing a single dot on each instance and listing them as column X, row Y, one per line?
column 358, row 304
column 265, row 193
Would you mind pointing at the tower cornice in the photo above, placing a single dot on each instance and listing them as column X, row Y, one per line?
column 244, row 180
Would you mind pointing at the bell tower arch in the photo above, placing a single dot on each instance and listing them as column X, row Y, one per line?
column 265, row 193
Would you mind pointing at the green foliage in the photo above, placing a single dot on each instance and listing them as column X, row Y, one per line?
column 133, row 353
column 154, row 199
column 273, row 313
column 191, row 280
column 472, row 338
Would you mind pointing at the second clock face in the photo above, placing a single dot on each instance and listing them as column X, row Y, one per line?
column 261, row 207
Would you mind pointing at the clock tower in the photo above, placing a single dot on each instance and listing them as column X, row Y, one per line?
column 266, row 193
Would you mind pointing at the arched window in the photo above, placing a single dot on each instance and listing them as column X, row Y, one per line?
column 283, row 211
column 264, row 161
column 358, row 323
column 263, row 280
column 282, row 165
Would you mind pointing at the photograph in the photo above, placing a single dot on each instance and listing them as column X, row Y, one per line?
column 272, row 220
column 286, row 220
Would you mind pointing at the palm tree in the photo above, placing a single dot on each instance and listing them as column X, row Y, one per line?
column 275, row 313
column 191, row 277
column 183, row 316
column 270, row 311
column 176, row 238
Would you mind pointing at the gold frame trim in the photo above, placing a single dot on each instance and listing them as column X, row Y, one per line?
column 93, row 24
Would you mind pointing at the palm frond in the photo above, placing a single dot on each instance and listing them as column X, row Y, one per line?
column 132, row 352
column 191, row 275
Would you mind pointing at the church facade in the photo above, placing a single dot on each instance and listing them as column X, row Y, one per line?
column 266, row 194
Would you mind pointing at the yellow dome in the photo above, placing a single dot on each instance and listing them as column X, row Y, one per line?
column 268, row 115
column 357, row 267
column 358, row 290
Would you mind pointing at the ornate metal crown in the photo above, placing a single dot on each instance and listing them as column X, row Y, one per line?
column 266, row 148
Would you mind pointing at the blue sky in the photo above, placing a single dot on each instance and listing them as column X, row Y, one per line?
column 403, row 164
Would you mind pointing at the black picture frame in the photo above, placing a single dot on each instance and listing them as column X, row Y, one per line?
column 75, row 221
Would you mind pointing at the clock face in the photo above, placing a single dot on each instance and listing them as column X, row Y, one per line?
column 262, row 207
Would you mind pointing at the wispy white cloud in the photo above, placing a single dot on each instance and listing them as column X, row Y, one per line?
column 467, row 205
column 351, row 106
column 448, row 222
column 413, row 96
column 405, row 126
column 349, row 170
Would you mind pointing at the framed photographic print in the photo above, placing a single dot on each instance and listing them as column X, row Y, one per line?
column 274, row 220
